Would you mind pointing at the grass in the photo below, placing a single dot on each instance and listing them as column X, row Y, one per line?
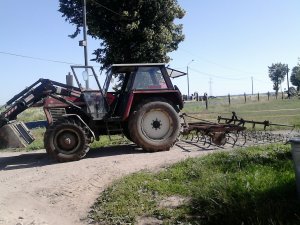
column 248, row 186
column 32, row 114
column 103, row 142
column 280, row 111
column 38, row 133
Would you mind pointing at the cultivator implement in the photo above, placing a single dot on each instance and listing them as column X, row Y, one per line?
column 230, row 131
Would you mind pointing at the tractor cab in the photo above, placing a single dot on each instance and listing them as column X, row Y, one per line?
column 128, row 84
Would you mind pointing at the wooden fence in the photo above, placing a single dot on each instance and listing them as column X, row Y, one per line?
column 229, row 99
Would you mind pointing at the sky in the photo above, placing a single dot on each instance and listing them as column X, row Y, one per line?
column 226, row 44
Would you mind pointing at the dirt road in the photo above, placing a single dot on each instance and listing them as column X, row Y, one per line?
column 35, row 190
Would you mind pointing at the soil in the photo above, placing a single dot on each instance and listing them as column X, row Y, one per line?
column 36, row 190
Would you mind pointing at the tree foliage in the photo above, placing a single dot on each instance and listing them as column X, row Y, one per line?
column 277, row 74
column 295, row 76
column 130, row 31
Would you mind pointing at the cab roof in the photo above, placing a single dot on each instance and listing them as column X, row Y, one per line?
column 121, row 68
column 137, row 64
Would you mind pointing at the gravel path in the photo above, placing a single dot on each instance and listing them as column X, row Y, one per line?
column 35, row 190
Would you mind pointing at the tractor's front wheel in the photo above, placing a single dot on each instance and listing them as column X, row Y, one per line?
column 154, row 126
column 66, row 141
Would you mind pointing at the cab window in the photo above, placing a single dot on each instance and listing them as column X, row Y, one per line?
column 149, row 78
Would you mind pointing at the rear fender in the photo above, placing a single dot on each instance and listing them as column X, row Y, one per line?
column 138, row 96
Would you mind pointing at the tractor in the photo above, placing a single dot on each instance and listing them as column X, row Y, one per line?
column 136, row 100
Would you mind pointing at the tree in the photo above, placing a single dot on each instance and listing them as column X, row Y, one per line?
column 130, row 31
column 277, row 74
column 295, row 76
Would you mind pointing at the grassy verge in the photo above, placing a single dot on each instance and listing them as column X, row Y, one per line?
column 248, row 186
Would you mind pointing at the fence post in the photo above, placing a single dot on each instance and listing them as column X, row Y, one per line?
column 245, row 97
column 206, row 103
column 282, row 95
column 258, row 96
column 268, row 95
column 229, row 98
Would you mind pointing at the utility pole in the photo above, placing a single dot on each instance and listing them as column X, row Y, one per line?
column 288, row 82
column 187, row 77
column 188, row 81
column 252, row 84
column 84, row 44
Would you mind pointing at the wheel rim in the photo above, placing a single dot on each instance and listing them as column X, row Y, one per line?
column 67, row 141
column 156, row 124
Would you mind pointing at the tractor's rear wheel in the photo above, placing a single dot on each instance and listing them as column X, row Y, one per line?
column 66, row 141
column 154, row 126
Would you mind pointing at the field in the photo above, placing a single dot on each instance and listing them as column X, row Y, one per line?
column 286, row 111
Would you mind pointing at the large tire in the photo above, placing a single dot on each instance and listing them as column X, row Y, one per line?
column 66, row 141
column 154, row 126
column 126, row 131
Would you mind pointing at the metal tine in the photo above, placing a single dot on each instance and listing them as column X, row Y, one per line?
column 242, row 133
column 234, row 139
column 198, row 137
column 201, row 139
column 192, row 133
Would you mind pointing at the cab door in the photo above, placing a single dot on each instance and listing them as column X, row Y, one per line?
column 89, row 85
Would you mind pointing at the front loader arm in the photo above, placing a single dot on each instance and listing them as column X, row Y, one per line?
column 33, row 94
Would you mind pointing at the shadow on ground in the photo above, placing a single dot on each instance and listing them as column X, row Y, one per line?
column 38, row 159
column 114, row 150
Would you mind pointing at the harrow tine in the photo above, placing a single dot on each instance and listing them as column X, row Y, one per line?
column 193, row 135
column 232, row 132
column 228, row 140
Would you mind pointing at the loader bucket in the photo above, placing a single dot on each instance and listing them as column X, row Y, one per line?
column 15, row 135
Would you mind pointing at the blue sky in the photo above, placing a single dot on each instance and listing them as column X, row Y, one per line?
column 229, row 41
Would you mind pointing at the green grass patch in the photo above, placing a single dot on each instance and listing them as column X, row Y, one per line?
column 110, row 141
column 245, row 186
column 103, row 142
column 280, row 111
column 32, row 114
column 38, row 133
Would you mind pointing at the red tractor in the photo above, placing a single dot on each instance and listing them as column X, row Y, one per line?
column 137, row 100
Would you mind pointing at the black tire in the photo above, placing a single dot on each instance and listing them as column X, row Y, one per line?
column 66, row 141
column 154, row 126
column 126, row 131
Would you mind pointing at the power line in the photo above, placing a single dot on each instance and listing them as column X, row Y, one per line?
column 40, row 59
column 37, row 58
column 218, row 76
column 108, row 9
column 70, row 63
column 217, row 64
